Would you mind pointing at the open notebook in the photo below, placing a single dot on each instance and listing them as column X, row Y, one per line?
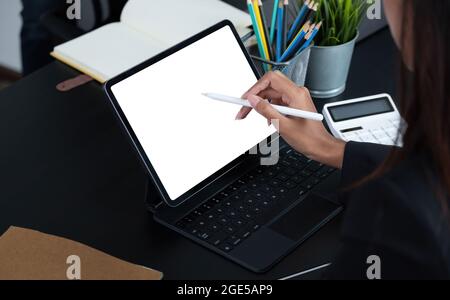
column 147, row 27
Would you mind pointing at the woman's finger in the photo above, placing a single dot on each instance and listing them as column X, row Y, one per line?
column 243, row 113
column 264, row 108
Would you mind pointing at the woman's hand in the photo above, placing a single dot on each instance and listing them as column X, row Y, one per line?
column 307, row 137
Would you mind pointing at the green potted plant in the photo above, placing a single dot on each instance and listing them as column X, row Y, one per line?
column 332, row 54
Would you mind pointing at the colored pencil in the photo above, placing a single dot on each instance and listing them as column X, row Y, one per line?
column 312, row 12
column 261, row 28
column 285, row 17
column 279, row 31
column 255, row 28
column 298, row 19
column 266, row 30
column 297, row 41
column 310, row 37
column 273, row 21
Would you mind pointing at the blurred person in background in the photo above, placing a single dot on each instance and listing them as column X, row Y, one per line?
column 36, row 40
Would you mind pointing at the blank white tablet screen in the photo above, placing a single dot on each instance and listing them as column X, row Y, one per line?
column 186, row 136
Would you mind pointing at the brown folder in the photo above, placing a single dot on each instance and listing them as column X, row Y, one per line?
column 31, row 255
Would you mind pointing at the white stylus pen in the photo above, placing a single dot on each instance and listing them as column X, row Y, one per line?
column 281, row 109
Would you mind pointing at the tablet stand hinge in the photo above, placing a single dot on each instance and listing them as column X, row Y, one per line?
column 152, row 200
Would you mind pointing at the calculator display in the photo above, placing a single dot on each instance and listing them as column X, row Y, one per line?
column 361, row 109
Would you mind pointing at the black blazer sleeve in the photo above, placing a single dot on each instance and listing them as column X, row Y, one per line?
column 360, row 160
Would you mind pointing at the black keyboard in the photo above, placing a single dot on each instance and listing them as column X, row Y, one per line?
column 234, row 214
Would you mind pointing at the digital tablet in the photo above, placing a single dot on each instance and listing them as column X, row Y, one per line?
column 185, row 140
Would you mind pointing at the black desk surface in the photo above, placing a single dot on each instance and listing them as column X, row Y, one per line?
column 66, row 169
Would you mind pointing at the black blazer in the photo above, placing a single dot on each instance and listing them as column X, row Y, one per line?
column 398, row 217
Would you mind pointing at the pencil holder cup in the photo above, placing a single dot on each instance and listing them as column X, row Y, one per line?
column 295, row 69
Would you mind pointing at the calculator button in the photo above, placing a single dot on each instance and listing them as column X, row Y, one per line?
column 350, row 136
column 364, row 136
column 391, row 132
column 379, row 134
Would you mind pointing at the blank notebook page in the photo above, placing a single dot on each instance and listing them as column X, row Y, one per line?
column 172, row 21
column 110, row 50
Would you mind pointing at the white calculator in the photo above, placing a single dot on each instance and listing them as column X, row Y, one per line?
column 373, row 119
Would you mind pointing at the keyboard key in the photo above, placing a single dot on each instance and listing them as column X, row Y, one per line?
column 250, row 201
column 266, row 189
column 236, row 197
column 290, row 171
column 255, row 227
column 224, row 195
column 236, row 242
column 214, row 228
column 224, row 220
column 297, row 179
column 305, row 173
column 302, row 192
column 198, row 213
column 258, row 196
column 287, row 163
column 229, row 229
column 226, row 247
column 282, row 177
column 259, row 170
column 245, row 234
column 330, row 170
column 294, row 158
column 300, row 165
column 241, row 182
column 218, row 211
column 228, row 203
column 238, row 223
column 210, row 217
column 206, row 207
column 270, row 173
column 275, row 183
column 242, row 208
column 216, row 200
column 181, row 225
column 256, row 210
column 244, row 192
column 232, row 214
column 273, row 197
column 248, row 216
column 310, row 183
column 265, row 204
column 255, row 185
column 290, row 185
column 314, row 166
column 281, row 191
column 219, row 237
column 200, row 224
column 263, row 180
column 189, row 219
column 204, row 236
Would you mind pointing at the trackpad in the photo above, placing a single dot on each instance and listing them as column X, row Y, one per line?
column 306, row 218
